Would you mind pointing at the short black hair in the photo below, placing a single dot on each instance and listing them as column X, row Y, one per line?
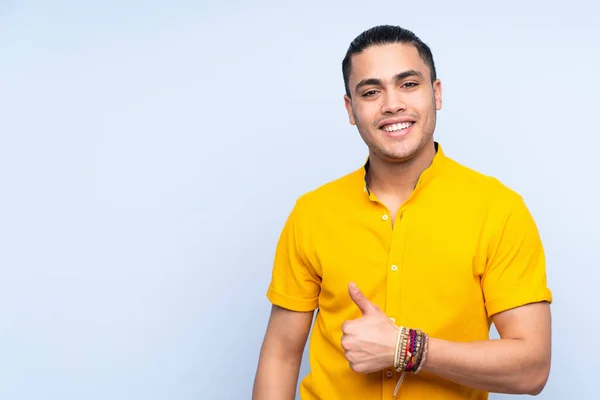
column 385, row 34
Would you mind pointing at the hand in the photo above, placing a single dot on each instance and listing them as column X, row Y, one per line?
column 369, row 342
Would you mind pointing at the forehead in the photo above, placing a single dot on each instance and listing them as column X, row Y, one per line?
column 385, row 61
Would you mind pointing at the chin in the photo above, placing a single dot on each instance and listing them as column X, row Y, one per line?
column 399, row 157
column 398, row 149
column 400, row 153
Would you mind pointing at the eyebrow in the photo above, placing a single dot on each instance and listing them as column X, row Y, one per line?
column 397, row 77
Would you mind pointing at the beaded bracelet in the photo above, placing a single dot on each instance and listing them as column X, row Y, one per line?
column 411, row 352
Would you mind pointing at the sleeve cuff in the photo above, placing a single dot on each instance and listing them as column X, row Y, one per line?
column 517, row 299
column 291, row 303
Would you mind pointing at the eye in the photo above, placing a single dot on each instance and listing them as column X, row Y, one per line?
column 369, row 93
column 409, row 85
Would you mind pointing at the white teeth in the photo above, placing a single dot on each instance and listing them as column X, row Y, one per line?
column 397, row 127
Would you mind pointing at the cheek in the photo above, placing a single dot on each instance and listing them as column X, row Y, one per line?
column 366, row 115
column 422, row 102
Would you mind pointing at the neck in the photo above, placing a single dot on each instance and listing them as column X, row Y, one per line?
column 399, row 178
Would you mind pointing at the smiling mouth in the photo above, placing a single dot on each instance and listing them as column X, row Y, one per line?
column 397, row 127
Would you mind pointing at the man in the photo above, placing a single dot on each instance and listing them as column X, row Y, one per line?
column 409, row 259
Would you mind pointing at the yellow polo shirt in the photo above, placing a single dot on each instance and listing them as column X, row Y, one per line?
column 463, row 248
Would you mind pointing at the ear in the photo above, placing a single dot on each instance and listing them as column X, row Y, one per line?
column 348, row 104
column 437, row 93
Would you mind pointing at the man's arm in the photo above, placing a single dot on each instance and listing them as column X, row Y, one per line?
column 518, row 363
column 281, row 354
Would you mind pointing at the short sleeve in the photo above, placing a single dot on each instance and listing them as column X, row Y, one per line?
column 515, row 272
column 295, row 284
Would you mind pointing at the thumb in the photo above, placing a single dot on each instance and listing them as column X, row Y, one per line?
column 363, row 304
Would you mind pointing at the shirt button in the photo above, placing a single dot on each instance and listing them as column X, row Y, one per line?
column 384, row 217
column 389, row 374
column 394, row 267
column 393, row 319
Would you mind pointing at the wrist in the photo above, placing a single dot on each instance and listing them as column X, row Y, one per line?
column 392, row 348
column 411, row 350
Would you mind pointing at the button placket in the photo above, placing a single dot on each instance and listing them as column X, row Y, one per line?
column 394, row 281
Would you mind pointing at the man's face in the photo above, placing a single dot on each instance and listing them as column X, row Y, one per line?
column 393, row 101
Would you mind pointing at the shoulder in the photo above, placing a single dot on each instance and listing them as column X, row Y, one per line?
column 489, row 200
column 494, row 192
column 334, row 192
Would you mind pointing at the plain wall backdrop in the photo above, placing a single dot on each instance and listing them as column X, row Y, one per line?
column 150, row 153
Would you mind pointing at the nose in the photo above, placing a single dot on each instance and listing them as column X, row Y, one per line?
column 392, row 103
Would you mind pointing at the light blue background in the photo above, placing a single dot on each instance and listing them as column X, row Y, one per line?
column 150, row 153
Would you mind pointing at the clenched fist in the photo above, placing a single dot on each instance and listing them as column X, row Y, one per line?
column 369, row 342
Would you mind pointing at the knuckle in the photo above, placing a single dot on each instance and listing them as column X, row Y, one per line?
column 345, row 344
column 345, row 327
column 350, row 357
column 356, row 368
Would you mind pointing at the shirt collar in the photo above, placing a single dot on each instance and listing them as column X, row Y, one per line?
column 439, row 160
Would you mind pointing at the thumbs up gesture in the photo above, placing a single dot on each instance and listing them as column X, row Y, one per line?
column 369, row 342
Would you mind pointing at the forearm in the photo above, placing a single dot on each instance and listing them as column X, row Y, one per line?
column 276, row 378
column 502, row 366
